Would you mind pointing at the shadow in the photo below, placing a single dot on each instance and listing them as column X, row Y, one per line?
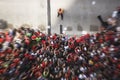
column 3, row 24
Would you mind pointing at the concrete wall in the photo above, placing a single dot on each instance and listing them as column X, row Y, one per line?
column 76, row 12
column 81, row 12
column 18, row 12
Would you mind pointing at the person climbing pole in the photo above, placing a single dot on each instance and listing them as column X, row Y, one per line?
column 60, row 13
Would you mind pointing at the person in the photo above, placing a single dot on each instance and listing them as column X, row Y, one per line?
column 118, row 14
column 60, row 13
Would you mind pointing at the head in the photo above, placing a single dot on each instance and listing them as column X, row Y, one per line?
column 60, row 9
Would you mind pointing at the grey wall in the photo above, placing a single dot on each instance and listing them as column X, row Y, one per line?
column 81, row 12
column 18, row 12
column 77, row 12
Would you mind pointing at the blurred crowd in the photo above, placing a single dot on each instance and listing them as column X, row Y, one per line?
column 28, row 54
column 113, row 21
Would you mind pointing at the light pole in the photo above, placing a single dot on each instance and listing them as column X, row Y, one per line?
column 49, row 17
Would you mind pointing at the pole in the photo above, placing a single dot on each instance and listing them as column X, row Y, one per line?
column 61, row 29
column 49, row 17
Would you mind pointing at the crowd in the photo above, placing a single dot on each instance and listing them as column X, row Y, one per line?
column 28, row 54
